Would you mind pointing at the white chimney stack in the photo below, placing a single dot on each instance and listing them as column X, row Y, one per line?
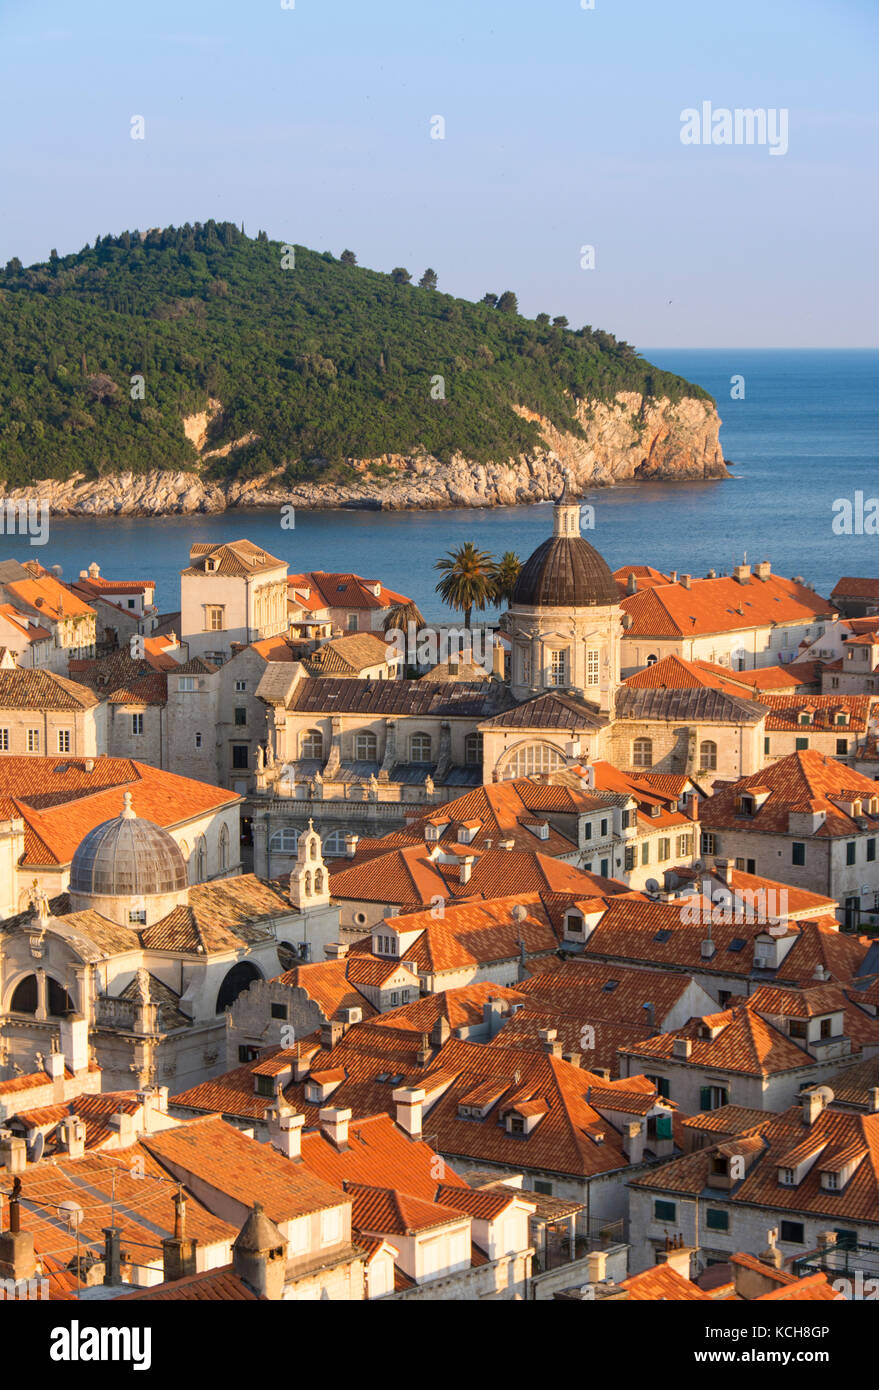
column 334, row 1124
column 410, row 1109
column 75, row 1043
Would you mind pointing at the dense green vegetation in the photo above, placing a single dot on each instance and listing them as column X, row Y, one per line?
column 323, row 360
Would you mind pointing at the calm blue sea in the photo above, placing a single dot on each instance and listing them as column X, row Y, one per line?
column 806, row 433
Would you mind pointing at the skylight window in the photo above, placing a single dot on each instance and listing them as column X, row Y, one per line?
column 664, row 935
column 737, row 944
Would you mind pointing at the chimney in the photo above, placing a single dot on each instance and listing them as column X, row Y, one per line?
column 178, row 1251
column 259, row 1255
column 674, row 576
column 89, row 764
column 708, row 946
column 549, row 1041
column 631, row 585
column 112, row 1257
column 693, row 806
column 409, row 1101
column 724, row 867
column 682, row 1047
column 596, row 1266
column 763, row 570
column 771, row 1256
column 334, row 1124
column 301, row 1068
column 685, row 580
column 13, row 1154
column 465, row 868
column 493, row 1012
column 873, row 1100
column 55, row 1068
column 72, row 1136
column 423, row 1055
column 742, row 573
column 351, row 845
column 813, row 1103
column 497, row 659
column 75, row 1043
column 331, row 1034
column 17, row 1258
column 440, row 1032
column 336, row 950
column 633, row 1141
column 285, row 1127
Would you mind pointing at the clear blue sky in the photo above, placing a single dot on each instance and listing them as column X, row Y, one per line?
column 562, row 129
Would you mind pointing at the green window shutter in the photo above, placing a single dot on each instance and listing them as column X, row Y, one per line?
column 705, row 1098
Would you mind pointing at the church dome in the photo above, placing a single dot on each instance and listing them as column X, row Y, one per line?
column 127, row 857
column 565, row 571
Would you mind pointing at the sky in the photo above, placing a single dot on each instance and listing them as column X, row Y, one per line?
column 562, row 131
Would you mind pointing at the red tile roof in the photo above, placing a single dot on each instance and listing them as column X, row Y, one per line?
column 804, row 781
column 721, row 605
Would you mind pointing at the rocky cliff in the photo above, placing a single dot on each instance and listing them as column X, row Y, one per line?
column 627, row 440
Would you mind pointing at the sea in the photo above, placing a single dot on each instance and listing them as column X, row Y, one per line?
column 800, row 431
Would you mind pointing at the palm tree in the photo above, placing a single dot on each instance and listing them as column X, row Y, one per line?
column 506, row 572
column 468, row 577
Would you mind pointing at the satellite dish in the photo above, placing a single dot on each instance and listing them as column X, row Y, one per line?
column 35, row 1152
column 651, row 886
column 72, row 1214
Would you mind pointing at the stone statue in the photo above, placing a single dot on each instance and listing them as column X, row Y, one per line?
column 373, row 787
column 428, row 785
column 260, row 758
column 142, row 986
column 270, row 753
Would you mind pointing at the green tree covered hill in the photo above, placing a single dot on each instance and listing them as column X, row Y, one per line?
column 323, row 361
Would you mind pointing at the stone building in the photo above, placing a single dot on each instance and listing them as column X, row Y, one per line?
column 43, row 713
column 231, row 593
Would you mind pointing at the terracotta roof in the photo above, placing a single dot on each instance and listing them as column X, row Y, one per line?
column 239, row 558
column 721, row 605
column 329, row 984
column 346, row 590
column 219, row 916
column 222, row 1157
column 49, row 597
column 385, row 1211
column 804, row 781
column 25, row 688
column 663, row 1282
column 727, row 1119
column 221, row 1285
column 348, row 655
column 476, row 933
column 381, row 1154
column 849, row 587
column 745, row 1044
column 785, row 710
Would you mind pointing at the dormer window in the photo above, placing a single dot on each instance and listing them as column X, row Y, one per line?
column 830, row 1182
column 515, row 1124
column 574, row 924
column 746, row 806
column 786, row 1177
column 796, row 1028
column 264, row 1085
column 805, row 718
column 210, row 564
column 842, row 719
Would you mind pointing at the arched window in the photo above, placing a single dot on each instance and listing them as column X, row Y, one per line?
column 365, row 747
column 319, row 881
column 312, row 848
column 642, row 752
column 473, row 750
column 531, row 758
column 311, row 744
column 652, row 659
column 334, row 844
column 201, row 860
column 239, row 978
column 707, row 755
column 306, row 883
column 285, row 840
column 224, row 848
column 419, row 748
column 59, row 1001
column 24, row 999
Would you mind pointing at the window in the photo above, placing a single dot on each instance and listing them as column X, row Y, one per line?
column 240, row 715
column 186, row 684
column 797, row 853
column 297, row 1236
column 587, row 830
column 796, row 1028
column 240, row 685
column 603, row 829
column 712, row 1097
column 766, row 745
column 544, row 1188
column 871, row 851
column 846, row 1240
column 198, row 740
column 136, row 728
column 707, row 756
column 213, row 618
column 131, row 603
column 265, row 1085
column 663, row 851
column 716, row 1220
column 365, row 748
column 850, row 851
column 665, row 1211
column 841, row 747
column 330, row 1226
column 800, row 745
column 240, row 755
column 642, row 752
column 419, row 748
column 629, row 859
column 516, row 1125
column 709, row 843
column 685, row 844
column 223, row 848
column 662, row 1084
column 645, row 852
column 531, row 758
column 592, row 668
column 473, row 750
column 352, row 622
column 248, row 1054
column 33, row 740
column 311, row 744
column 826, row 1028
column 137, row 917
column 4, row 740
column 285, row 840
column 558, row 667
column 792, row 1232
column 605, row 868
column 834, row 682
column 279, row 1011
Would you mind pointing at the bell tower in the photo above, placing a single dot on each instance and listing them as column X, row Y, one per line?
column 566, row 512
column 309, row 880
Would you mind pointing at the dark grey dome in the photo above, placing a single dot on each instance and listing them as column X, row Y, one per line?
column 127, row 857
column 565, row 572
